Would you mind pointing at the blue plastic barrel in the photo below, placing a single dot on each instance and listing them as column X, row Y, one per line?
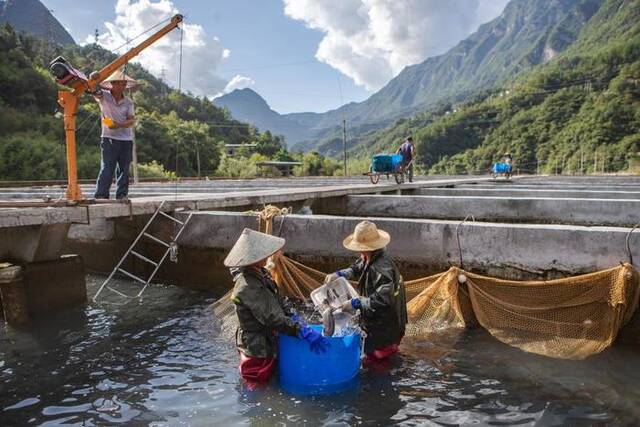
column 305, row 373
column 381, row 163
column 396, row 160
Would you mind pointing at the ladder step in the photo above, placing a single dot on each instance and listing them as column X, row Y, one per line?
column 155, row 239
column 171, row 218
column 144, row 258
column 133, row 276
column 117, row 292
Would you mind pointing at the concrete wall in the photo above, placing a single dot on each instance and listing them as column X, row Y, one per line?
column 516, row 251
column 516, row 192
column 523, row 185
column 32, row 243
column 534, row 210
column 103, row 243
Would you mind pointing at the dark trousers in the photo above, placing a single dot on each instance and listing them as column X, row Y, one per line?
column 408, row 170
column 116, row 157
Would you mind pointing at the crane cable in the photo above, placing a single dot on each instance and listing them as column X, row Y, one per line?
column 179, row 91
column 173, row 246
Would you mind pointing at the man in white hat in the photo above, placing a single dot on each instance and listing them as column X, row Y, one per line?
column 116, row 145
column 382, row 302
column 261, row 310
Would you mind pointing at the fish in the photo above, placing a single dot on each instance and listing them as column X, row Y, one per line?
column 328, row 322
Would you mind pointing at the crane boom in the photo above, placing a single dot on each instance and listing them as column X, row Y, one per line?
column 78, row 83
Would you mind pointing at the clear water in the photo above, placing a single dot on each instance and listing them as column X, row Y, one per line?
column 161, row 363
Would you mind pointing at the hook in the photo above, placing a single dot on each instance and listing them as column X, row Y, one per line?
column 458, row 236
column 284, row 212
column 627, row 242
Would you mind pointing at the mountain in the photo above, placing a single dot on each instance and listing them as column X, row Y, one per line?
column 527, row 33
column 31, row 16
column 578, row 111
column 246, row 105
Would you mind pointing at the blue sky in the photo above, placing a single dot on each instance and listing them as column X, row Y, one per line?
column 292, row 52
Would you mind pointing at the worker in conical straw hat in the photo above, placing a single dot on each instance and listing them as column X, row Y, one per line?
column 119, row 78
column 382, row 303
column 116, row 145
column 262, row 312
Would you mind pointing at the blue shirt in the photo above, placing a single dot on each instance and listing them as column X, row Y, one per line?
column 406, row 149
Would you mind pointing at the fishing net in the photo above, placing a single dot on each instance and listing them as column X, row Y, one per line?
column 569, row 318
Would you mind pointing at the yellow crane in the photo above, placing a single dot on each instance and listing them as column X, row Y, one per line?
column 69, row 100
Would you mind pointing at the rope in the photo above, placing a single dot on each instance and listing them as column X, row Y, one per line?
column 141, row 34
column 180, row 63
column 266, row 215
column 458, row 236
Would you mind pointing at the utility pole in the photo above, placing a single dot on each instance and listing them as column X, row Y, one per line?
column 537, row 166
column 198, row 157
column 581, row 162
column 595, row 162
column 556, row 167
column 344, row 145
column 163, row 79
column 96, row 36
column 603, row 160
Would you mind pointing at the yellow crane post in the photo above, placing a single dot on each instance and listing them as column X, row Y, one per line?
column 69, row 100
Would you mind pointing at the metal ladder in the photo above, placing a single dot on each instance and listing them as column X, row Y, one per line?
column 131, row 251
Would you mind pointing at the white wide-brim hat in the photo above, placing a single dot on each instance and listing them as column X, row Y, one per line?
column 366, row 237
column 252, row 247
column 118, row 76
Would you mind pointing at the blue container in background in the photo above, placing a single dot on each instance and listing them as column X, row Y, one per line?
column 303, row 372
column 381, row 163
column 501, row 168
column 396, row 161
column 386, row 163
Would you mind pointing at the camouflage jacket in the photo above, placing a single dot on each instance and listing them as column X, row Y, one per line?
column 384, row 308
column 261, row 311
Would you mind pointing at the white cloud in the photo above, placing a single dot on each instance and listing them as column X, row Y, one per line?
column 371, row 41
column 201, row 54
column 239, row 82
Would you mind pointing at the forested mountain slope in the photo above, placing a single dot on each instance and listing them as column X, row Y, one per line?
column 32, row 17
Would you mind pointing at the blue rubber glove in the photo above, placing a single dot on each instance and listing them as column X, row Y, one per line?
column 317, row 343
column 298, row 319
column 351, row 306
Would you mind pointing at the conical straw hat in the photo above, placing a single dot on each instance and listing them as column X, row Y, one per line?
column 118, row 75
column 366, row 237
column 251, row 247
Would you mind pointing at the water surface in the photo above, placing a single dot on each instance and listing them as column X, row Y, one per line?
column 161, row 362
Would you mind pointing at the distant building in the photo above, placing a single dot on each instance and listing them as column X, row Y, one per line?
column 285, row 168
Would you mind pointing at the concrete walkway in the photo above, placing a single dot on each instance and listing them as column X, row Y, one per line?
column 16, row 217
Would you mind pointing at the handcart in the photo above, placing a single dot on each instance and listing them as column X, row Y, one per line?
column 386, row 164
column 501, row 169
